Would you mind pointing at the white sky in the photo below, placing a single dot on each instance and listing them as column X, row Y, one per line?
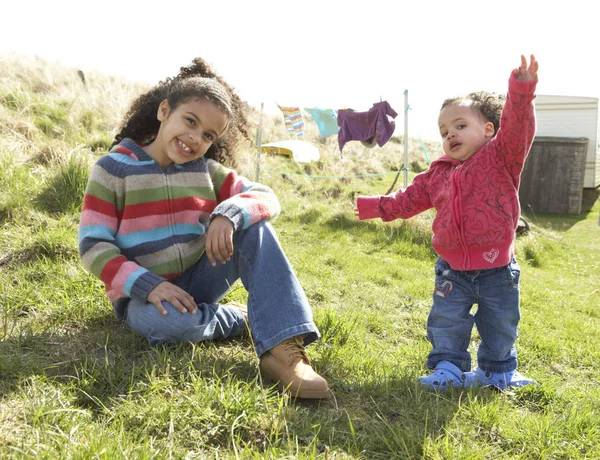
column 326, row 53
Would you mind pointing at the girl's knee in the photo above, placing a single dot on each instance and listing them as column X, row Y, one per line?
column 259, row 234
column 147, row 321
column 259, row 228
column 207, row 323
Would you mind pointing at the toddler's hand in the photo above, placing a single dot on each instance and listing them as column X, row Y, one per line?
column 527, row 73
column 174, row 295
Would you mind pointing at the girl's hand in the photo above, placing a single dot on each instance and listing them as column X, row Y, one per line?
column 219, row 240
column 527, row 73
column 174, row 295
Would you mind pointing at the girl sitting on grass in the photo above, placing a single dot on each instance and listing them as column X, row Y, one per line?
column 168, row 228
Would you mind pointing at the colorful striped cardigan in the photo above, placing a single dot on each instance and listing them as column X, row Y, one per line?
column 141, row 225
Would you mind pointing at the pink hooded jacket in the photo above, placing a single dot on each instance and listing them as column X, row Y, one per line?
column 477, row 201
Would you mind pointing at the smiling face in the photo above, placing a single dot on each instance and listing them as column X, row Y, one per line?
column 464, row 130
column 186, row 132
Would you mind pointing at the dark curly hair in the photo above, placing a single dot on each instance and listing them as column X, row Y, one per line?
column 489, row 105
column 196, row 80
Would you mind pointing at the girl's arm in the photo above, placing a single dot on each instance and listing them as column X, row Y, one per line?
column 517, row 124
column 241, row 201
column 403, row 204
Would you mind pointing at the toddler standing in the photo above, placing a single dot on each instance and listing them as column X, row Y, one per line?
column 474, row 189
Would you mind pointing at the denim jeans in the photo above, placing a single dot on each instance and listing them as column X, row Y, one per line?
column 450, row 322
column 277, row 305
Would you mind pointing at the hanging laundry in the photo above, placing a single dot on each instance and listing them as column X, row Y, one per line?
column 293, row 120
column 362, row 126
column 326, row 120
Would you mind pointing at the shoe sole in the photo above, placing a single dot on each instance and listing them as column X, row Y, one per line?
column 300, row 394
column 304, row 394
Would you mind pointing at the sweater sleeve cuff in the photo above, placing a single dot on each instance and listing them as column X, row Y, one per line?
column 368, row 207
column 144, row 285
column 235, row 216
column 521, row 87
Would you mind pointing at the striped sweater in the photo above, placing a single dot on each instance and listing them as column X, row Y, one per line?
column 141, row 225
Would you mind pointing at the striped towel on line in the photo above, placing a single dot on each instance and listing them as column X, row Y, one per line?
column 293, row 120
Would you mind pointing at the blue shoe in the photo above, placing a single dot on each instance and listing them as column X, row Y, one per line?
column 444, row 375
column 500, row 380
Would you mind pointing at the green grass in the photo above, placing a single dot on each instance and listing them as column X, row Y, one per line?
column 75, row 383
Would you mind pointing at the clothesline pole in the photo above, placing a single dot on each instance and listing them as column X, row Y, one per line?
column 405, row 138
column 259, row 142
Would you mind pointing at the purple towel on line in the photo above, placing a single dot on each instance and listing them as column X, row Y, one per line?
column 360, row 126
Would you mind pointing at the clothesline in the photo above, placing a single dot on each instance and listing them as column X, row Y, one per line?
column 375, row 125
column 372, row 127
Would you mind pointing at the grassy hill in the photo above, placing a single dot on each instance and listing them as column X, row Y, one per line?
column 75, row 383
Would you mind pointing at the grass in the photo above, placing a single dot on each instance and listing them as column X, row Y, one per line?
column 75, row 383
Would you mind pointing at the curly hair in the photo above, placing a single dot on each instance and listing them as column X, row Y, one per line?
column 488, row 105
column 198, row 79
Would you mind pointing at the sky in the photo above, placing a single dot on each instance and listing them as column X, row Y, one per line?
column 327, row 53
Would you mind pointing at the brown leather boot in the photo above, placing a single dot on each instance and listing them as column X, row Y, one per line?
column 288, row 364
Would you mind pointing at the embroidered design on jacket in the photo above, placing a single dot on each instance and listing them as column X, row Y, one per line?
column 491, row 255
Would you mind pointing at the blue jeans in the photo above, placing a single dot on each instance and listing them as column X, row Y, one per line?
column 277, row 305
column 450, row 322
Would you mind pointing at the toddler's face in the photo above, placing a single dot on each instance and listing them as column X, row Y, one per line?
column 464, row 130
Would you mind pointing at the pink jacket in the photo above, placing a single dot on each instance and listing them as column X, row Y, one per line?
column 477, row 201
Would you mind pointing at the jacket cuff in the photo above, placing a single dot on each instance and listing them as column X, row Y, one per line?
column 521, row 87
column 233, row 214
column 144, row 285
column 368, row 207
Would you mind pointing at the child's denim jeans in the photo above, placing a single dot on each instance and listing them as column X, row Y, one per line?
column 450, row 322
column 277, row 305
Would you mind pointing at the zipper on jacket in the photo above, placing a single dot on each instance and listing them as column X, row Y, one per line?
column 170, row 220
column 457, row 205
